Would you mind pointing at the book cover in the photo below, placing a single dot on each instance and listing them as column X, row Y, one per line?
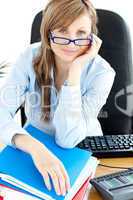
column 8, row 193
column 17, row 167
column 82, row 191
column 5, row 184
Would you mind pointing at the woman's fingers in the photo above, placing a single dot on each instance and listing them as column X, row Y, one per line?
column 59, row 178
column 91, row 52
column 51, row 167
column 62, row 180
column 96, row 42
column 55, row 180
column 65, row 174
column 94, row 49
column 46, row 180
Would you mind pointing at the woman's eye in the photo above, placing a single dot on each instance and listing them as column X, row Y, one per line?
column 82, row 33
column 62, row 31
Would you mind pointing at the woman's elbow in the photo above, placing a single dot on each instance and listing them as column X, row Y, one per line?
column 69, row 142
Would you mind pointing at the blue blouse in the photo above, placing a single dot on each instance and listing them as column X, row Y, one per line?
column 74, row 109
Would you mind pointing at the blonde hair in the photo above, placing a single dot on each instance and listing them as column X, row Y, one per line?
column 56, row 14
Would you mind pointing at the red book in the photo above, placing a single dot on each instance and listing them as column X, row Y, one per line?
column 81, row 193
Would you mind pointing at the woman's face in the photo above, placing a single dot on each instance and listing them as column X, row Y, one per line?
column 80, row 28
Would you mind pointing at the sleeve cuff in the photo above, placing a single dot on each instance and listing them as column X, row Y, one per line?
column 9, row 130
column 69, row 93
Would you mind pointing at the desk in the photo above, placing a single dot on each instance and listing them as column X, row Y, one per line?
column 122, row 162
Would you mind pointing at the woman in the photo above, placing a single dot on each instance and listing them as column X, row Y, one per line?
column 64, row 83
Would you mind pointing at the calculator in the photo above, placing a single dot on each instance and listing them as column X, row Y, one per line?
column 115, row 186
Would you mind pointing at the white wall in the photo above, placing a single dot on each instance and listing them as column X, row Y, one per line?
column 15, row 26
column 16, row 19
column 123, row 8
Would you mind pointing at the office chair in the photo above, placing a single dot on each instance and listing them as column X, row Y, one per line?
column 116, row 49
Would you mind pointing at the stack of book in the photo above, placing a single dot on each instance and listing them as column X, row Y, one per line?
column 20, row 179
column 8, row 193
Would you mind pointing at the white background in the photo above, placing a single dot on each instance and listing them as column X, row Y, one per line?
column 16, row 18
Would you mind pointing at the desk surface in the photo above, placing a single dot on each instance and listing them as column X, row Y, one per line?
column 122, row 162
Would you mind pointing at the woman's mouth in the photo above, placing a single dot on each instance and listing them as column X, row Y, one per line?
column 69, row 51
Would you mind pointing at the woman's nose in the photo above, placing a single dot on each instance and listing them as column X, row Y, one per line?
column 72, row 44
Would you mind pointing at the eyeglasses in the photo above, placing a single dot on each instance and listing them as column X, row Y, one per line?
column 66, row 41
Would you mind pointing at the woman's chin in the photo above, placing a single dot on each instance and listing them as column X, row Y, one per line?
column 68, row 58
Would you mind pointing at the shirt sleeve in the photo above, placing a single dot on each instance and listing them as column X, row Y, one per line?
column 75, row 114
column 12, row 95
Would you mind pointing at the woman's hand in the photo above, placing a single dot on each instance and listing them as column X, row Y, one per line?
column 80, row 61
column 45, row 161
column 51, row 167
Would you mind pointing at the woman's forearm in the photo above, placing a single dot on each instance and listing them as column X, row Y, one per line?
column 27, row 143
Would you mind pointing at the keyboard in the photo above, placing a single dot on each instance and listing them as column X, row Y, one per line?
column 109, row 145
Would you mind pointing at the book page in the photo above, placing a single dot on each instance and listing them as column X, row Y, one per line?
column 10, row 194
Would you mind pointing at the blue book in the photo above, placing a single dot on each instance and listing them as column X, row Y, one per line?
column 18, row 169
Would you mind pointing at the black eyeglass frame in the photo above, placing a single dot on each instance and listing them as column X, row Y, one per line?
column 90, row 38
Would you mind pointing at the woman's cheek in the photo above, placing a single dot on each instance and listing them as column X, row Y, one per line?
column 82, row 51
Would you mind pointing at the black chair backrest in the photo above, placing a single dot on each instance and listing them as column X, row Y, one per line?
column 116, row 49
column 116, row 115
